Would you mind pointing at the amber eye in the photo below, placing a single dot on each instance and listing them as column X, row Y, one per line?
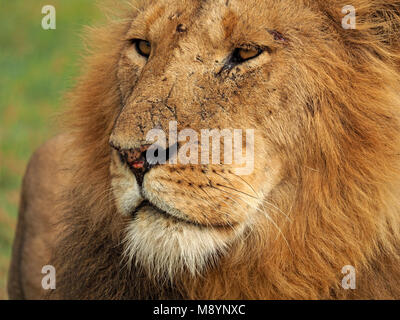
column 143, row 47
column 241, row 55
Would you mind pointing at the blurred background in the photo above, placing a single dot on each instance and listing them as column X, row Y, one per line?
column 37, row 67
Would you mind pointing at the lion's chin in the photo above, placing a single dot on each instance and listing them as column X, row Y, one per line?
column 174, row 216
column 168, row 247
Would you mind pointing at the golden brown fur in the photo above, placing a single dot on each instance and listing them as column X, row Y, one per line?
column 325, row 105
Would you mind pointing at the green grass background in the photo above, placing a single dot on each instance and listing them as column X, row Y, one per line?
column 37, row 67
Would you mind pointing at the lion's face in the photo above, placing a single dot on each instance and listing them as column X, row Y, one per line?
column 209, row 65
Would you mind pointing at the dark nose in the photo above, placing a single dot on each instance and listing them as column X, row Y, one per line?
column 137, row 161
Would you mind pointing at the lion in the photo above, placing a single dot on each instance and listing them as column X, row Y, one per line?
column 323, row 196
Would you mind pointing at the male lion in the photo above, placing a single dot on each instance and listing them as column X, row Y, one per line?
column 323, row 101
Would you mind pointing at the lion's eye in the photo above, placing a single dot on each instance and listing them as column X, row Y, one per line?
column 143, row 47
column 241, row 55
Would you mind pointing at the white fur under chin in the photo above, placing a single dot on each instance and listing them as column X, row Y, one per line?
column 168, row 248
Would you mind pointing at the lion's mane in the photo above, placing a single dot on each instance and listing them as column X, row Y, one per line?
column 344, row 207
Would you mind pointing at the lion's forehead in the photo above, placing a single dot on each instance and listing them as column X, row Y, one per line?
column 217, row 19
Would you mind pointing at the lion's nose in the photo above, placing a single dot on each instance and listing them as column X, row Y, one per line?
column 136, row 160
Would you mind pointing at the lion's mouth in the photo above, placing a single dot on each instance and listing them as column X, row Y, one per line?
column 146, row 204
